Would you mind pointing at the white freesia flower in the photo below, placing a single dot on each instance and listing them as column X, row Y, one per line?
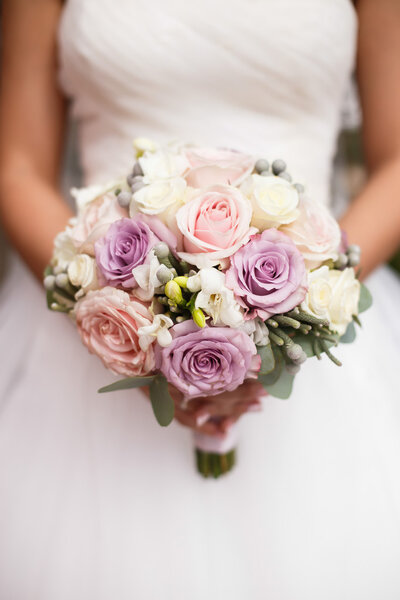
column 193, row 283
column 274, row 200
column 159, row 198
column 64, row 248
column 216, row 300
column 333, row 295
column 157, row 330
column 82, row 273
column 257, row 330
column 162, row 164
column 146, row 278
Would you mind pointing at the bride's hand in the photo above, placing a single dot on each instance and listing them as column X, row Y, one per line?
column 216, row 414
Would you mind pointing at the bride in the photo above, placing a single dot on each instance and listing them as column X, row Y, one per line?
column 96, row 501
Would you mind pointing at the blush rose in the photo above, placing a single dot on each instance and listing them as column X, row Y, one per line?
column 214, row 224
column 108, row 321
column 217, row 166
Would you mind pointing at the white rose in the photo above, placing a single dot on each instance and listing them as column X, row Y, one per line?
column 315, row 232
column 162, row 164
column 82, row 273
column 216, row 300
column 159, row 198
column 333, row 295
column 83, row 196
column 93, row 222
column 345, row 289
column 274, row 200
column 319, row 294
column 64, row 248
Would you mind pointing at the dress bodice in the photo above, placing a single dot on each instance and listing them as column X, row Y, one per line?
column 266, row 76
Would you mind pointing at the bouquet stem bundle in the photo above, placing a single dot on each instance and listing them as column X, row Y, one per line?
column 204, row 269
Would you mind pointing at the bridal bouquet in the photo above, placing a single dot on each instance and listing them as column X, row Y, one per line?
column 203, row 268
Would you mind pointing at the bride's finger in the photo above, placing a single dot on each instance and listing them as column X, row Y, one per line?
column 231, row 405
column 254, row 387
column 253, row 405
column 188, row 420
column 227, row 423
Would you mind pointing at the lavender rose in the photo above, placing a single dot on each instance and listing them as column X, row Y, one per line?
column 126, row 245
column 268, row 275
column 208, row 361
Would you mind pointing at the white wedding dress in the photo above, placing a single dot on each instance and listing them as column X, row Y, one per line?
column 97, row 502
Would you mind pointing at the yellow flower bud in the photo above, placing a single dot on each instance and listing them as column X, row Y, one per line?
column 173, row 292
column 198, row 317
column 181, row 281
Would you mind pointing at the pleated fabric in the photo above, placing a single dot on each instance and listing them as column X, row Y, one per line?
column 266, row 76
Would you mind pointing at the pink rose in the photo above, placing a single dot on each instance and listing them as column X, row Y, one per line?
column 108, row 321
column 94, row 221
column 214, row 224
column 315, row 232
column 217, row 166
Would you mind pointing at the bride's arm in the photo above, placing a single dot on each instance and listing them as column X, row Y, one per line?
column 373, row 219
column 32, row 114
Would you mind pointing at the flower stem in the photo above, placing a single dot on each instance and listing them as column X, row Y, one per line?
column 211, row 464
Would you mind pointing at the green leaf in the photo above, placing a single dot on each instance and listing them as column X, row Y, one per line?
column 273, row 376
column 267, row 359
column 306, row 342
column 283, row 387
column 161, row 401
column 127, row 384
column 365, row 299
column 350, row 335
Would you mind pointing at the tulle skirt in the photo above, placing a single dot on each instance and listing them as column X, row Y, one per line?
column 97, row 502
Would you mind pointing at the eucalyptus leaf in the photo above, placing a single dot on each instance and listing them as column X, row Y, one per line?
column 281, row 388
column 127, row 384
column 161, row 401
column 273, row 376
column 306, row 342
column 267, row 359
column 365, row 299
column 350, row 335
